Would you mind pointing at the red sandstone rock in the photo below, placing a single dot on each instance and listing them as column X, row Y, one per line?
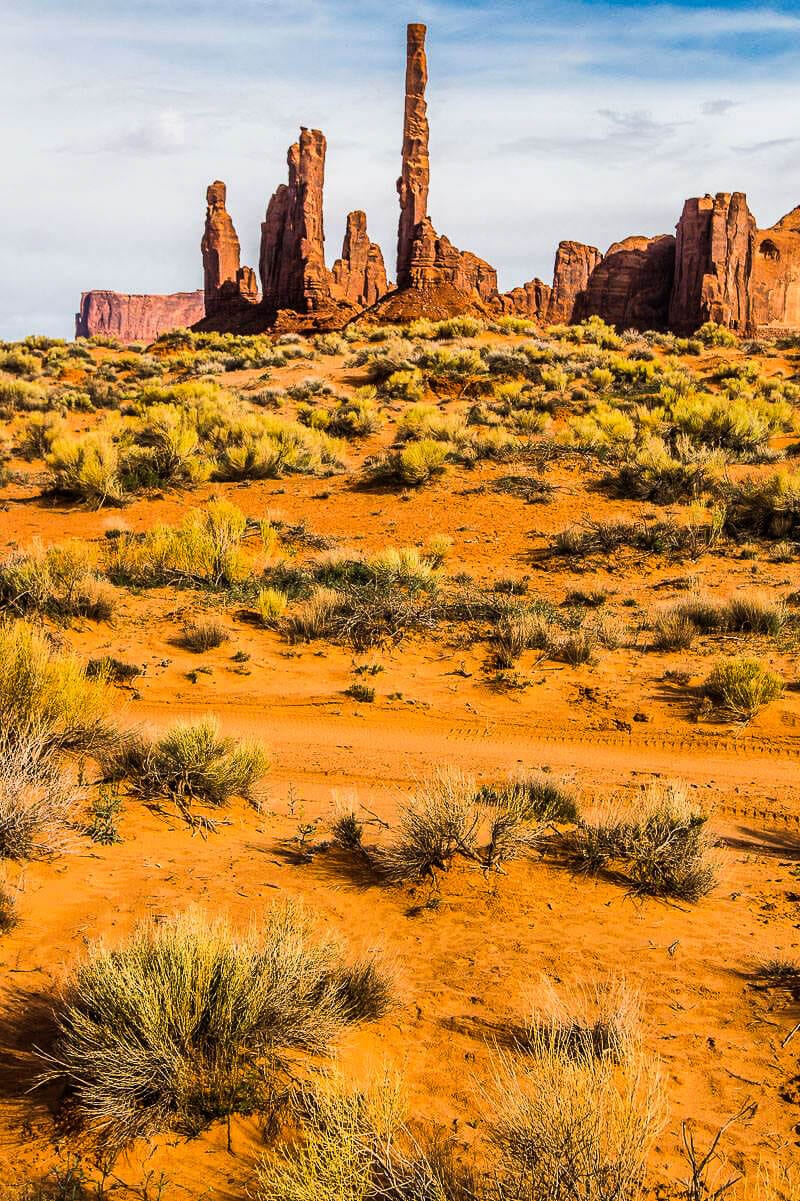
column 292, row 260
column 775, row 282
column 359, row 276
column 574, row 263
column 530, row 300
column 630, row 287
column 412, row 186
column 227, row 285
column 713, row 263
column 136, row 318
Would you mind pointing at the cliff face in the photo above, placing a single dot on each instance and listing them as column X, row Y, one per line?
column 575, row 262
column 713, row 263
column 631, row 285
column 136, row 318
column 775, row 285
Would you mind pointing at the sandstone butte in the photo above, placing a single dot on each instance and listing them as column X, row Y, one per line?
column 719, row 266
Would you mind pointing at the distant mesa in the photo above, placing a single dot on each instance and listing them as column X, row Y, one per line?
column 717, row 267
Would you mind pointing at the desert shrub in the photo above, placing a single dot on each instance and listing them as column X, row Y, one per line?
column 60, row 581
column 656, row 474
column 742, row 687
column 185, row 1022
column 173, row 453
column 191, row 762
column 755, row 614
column 40, row 431
column 116, row 671
column 428, row 421
column 207, row 548
column 576, row 1127
column 712, row 334
column 17, row 361
column 403, row 385
column 673, row 630
column 763, row 506
column 271, row 604
column 444, row 821
column 87, row 468
column 355, row 417
column 204, row 634
column 414, row 465
column 404, row 566
column 313, row 618
column 46, row 694
column 677, row 624
column 604, row 430
column 36, row 800
column 662, row 847
column 743, row 426
column 541, row 798
column 520, row 628
column 575, row 646
column 19, row 394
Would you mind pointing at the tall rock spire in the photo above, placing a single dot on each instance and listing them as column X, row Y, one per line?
column 412, row 186
column 225, row 282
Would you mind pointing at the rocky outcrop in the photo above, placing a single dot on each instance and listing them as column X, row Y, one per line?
column 227, row 285
column 412, row 186
column 292, row 259
column 713, row 263
column 775, row 283
column 530, row 300
column 359, row 276
column 136, row 318
column 631, row 285
column 575, row 262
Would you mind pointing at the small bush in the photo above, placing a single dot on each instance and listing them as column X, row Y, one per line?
column 186, row 1023
column 414, row 465
column 742, row 687
column 313, row 618
column 36, row 801
column 763, row 506
column 541, row 798
column 191, row 762
column 204, row 634
column 271, row 604
column 599, row 1021
column 60, row 581
column 87, row 468
column 46, row 695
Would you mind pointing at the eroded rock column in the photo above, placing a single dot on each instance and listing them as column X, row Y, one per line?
column 412, row 186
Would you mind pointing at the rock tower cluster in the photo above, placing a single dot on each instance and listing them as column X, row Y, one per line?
column 717, row 267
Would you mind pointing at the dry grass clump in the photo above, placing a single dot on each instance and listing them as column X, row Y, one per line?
column 662, row 848
column 413, row 465
column 87, row 468
column 46, row 694
column 271, row 604
column 314, row 618
column 599, row 1020
column 60, row 581
column 764, row 506
column 742, row 687
column 204, row 634
column 520, row 628
column 574, row 1126
column 187, row 1022
column 37, row 800
column 192, row 762
column 676, row 625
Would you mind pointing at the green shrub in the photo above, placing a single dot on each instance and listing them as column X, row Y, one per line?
column 414, row 465
column 46, row 694
column 186, row 1023
column 742, row 686
column 60, row 581
column 87, row 468
column 271, row 605
column 191, row 762
column 712, row 334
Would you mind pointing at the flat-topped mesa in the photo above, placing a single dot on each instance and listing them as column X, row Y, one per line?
column 359, row 276
column 134, row 318
column 292, row 259
column 412, row 186
column 631, row 285
column 713, row 264
column 575, row 262
column 227, row 285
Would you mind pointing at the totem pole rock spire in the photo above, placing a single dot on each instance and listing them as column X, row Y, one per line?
column 225, row 282
column 412, row 186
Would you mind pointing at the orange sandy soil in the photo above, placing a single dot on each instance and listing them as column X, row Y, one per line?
column 466, row 969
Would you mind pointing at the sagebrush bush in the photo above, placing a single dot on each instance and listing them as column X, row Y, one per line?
column 45, row 694
column 764, row 506
column 87, row 468
column 37, row 799
column 539, row 797
column 187, row 1022
column 600, row 1019
column 742, row 686
column 204, row 633
column 191, row 762
column 60, row 581
column 414, row 464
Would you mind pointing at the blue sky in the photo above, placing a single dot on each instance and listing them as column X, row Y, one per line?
column 587, row 119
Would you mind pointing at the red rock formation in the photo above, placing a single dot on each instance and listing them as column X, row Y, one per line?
column 775, row 282
column 359, row 276
column 713, row 263
column 227, row 285
column 136, row 318
column 412, row 186
column 292, row 260
column 630, row 287
column 574, row 263
column 530, row 300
